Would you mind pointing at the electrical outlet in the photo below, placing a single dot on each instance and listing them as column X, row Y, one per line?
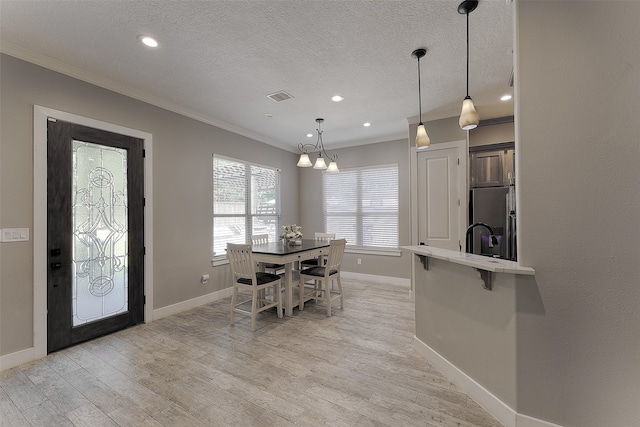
column 204, row 279
column 359, row 261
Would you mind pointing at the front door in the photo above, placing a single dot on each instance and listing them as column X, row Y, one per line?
column 95, row 242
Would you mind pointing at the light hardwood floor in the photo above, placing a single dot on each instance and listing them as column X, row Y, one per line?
column 357, row 368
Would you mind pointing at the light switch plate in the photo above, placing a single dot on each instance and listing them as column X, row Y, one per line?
column 14, row 235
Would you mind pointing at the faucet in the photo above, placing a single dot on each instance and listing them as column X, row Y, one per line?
column 493, row 240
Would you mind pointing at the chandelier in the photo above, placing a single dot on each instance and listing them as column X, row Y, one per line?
column 305, row 161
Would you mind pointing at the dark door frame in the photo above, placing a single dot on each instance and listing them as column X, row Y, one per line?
column 39, row 235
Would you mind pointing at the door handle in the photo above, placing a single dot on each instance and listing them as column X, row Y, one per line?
column 55, row 252
column 56, row 265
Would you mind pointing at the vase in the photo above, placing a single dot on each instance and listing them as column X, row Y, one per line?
column 295, row 241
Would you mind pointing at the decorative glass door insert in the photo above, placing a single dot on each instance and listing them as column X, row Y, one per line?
column 100, row 234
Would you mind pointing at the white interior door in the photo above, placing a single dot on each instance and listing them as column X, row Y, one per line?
column 442, row 195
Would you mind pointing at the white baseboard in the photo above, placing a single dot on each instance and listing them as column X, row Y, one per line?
column 376, row 279
column 12, row 360
column 192, row 303
column 496, row 407
column 527, row 421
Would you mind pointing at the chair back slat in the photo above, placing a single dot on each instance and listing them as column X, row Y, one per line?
column 241, row 262
column 336, row 251
column 259, row 239
column 324, row 236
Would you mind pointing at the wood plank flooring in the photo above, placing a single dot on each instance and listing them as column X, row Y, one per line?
column 357, row 368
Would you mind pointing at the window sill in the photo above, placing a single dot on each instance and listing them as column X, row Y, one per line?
column 219, row 261
column 381, row 252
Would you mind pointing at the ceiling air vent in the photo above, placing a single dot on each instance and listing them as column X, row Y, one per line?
column 279, row 96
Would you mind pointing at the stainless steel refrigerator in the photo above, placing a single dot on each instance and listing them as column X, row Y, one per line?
column 494, row 206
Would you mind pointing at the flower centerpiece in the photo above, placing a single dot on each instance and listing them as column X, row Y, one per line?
column 292, row 234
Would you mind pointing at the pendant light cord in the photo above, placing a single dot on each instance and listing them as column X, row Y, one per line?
column 467, row 54
column 419, row 94
column 319, row 142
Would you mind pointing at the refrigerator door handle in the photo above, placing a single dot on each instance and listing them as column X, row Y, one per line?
column 508, row 229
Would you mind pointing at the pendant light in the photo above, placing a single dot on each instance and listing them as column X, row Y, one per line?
column 320, row 163
column 305, row 161
column 422, row 139
column 469, row 117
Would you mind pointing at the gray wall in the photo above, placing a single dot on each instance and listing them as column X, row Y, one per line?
column 474, row 329
column 577, row 86
column 373, row 154
column 492, row 134
column 182, row 199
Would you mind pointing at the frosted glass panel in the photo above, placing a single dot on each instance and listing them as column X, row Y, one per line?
column 100, row 245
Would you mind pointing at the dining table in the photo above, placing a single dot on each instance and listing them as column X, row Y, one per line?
column 282, row 252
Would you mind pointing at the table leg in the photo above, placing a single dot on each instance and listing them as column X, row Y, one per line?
column 262, row 293
column 288, row 292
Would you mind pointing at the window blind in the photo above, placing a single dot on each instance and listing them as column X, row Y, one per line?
column 361, row 205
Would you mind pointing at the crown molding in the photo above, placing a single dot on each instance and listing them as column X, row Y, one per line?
column 53, row 64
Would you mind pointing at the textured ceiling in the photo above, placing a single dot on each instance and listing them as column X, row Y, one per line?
column 218, row 60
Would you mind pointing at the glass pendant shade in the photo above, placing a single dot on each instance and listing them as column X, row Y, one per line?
column 333, row 167
column 422, row 139
column 320, row 164
column 469, row 117
column 304, row 161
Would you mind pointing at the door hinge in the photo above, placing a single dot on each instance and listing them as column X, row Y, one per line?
column 144, row 153
column 458, row 161
column 144, row 201
column 458, row 202
column 144, row 250
column 144, row 300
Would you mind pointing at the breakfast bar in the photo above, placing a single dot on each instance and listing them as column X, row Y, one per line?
column 466, row 312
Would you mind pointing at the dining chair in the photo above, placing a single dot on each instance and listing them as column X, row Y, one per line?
column 314, row 261
column 323, row 277
column 245, row 276
column 259, row 239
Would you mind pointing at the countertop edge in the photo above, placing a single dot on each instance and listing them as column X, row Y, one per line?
column 476, row 261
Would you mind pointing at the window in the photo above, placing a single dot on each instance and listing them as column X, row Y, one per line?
column 246, row 201
column 361, row 205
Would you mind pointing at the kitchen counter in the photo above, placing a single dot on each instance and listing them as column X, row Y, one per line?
column 494, row 265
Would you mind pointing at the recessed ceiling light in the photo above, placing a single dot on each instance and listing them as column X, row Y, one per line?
column 505, row 97
column 148, row 41
column 367, row 124
column 268, row 115
column 309, row 135
column 336, row 98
